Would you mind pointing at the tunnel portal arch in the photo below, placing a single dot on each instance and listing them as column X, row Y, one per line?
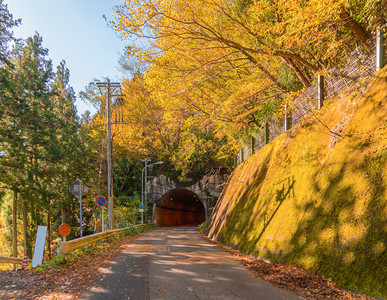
column 179, row 206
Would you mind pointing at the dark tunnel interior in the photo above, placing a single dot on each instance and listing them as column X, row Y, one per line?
column 179, row 207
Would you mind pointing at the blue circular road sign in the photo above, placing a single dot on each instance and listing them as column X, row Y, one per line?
column 101, row 201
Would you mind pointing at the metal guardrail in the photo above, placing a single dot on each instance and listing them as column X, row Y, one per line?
column 12, row 260
column 68, row 246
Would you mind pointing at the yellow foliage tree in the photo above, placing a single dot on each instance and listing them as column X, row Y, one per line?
column 227, row 65
column 172, row 135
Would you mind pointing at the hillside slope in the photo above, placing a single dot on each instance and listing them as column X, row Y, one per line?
column 315, row 197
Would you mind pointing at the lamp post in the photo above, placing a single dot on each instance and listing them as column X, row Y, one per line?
column 143, row 184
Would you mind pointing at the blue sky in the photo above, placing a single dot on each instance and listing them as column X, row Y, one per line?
column 74, row 31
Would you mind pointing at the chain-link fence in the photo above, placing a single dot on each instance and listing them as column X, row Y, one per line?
column 359, row 65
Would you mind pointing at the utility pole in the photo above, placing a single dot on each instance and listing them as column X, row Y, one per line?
column 110, row 88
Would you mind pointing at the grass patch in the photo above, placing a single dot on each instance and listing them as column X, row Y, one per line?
column 202, row 226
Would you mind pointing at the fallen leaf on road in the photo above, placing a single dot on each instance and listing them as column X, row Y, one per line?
column 292, row 278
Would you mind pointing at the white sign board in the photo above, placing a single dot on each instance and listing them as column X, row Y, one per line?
column 37, row 259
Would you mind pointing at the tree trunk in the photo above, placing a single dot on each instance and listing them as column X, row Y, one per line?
column 33, row 224
column 63, row 215
column 272, row 78
column 49, row 229
column 266, row 72
column 37, row 216
column 24, row 212
column 300, row 75
column 358, row 31
column 14, row 227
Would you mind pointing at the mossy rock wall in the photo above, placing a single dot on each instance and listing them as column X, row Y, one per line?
column 316, row 195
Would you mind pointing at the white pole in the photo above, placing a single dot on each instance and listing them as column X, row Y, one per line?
column 80, row 207
column 145, row 188
column 103, row 219
column 142, row 195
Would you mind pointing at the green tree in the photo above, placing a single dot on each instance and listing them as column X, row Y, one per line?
column 6, row 34
column 42, row 149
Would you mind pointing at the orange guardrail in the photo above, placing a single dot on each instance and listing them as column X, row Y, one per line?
column 12, row 260
column 68, row 246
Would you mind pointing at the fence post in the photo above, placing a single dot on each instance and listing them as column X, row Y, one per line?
column 267, row 133
column 380, row 59
column 321, row 90
column 252, row 145
column 288, row 119
column 242, row 152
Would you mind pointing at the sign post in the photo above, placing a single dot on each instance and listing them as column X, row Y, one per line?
column 64, row 230
column 78, row 188
column 101, row 202
column 95, row 221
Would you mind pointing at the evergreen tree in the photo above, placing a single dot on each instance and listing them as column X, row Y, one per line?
column 6, row 34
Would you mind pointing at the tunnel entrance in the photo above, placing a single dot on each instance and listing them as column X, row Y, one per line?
column 179, row 207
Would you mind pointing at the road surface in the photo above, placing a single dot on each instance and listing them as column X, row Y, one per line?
column 177, row 263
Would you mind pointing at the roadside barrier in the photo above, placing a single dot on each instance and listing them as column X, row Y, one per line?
column 68, row 246
column 12, row 260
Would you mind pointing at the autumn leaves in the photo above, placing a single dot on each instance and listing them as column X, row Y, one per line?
column 219, row 69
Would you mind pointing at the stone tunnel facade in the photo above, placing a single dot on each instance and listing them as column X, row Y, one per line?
column 174, row 203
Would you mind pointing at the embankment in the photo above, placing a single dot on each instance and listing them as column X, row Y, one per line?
column 317, row 194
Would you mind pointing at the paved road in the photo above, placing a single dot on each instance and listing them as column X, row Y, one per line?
column 177, row 263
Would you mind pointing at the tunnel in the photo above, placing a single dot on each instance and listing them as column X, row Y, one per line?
column 179, row 207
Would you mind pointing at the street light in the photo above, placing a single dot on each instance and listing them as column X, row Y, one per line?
column 143, row 184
